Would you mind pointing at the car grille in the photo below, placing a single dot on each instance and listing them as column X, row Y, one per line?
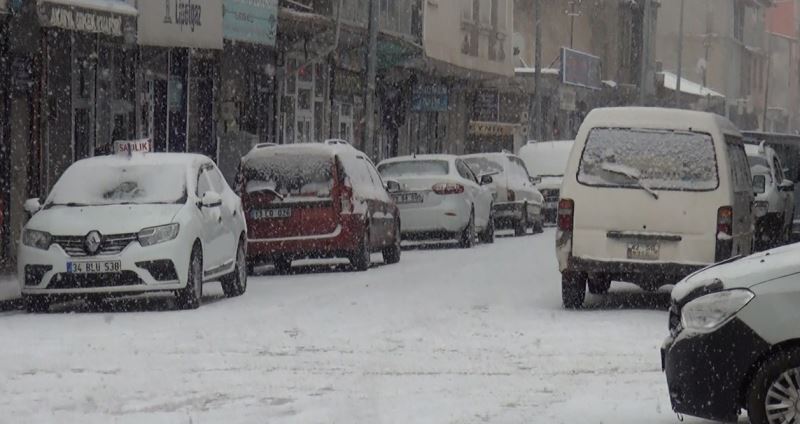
column 550, row 194
column 111, row 245
column 81, row 281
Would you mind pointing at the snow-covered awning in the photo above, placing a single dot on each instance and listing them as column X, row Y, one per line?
column 545, row 71
column 107, row 17
column 688, row 87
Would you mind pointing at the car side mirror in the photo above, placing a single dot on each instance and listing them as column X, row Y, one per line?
column 786, row 185
column 392, row 186
column 32, row 206
column 211, row 199
column 535, row 180
column 486, row 179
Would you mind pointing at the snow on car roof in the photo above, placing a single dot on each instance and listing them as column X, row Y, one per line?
column 448, row 158
column 144, row 159
column 661, row 118
column 320, row 149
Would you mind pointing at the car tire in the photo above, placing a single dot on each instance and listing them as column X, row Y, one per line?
column 391, row 254
column 466, row 239
column 487, row 236
column 36, row 303
column 599, row 284
column 235, row 283
column 360, row 259
column 773, row 372
column 191, row 296
column 282, row 264
column 573, row 289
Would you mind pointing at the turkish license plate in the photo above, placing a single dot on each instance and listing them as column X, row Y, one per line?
column 643, row 250
column 404, row 198
column 271, row 213
column 94, row 267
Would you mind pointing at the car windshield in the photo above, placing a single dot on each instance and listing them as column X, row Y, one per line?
column 292, row 175
column 653, row 159
column 759, row 183
column 94, row 183
column 484, row 165
column 412, row 168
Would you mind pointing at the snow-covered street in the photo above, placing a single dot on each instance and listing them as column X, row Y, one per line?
column 445, row 336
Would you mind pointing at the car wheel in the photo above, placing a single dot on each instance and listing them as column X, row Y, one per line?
column 573, row 289
column 360, row 259
column 775, row 390
column 391, row 254
column 36, row 304
column 599, row 284
column 467, row 238
column 282, row 264
column 488, row 235
column 191, row 296
column 235, row 284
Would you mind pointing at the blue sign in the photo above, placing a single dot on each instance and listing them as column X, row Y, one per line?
column 251, row 21
column 430, row 98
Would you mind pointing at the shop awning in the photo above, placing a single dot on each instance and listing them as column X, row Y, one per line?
column 108, row 17
column 687, row 86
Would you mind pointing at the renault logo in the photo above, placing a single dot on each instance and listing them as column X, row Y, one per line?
column 92, row 242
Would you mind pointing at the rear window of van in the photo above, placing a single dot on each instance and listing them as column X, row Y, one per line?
column 290, row 175
column 658, row 159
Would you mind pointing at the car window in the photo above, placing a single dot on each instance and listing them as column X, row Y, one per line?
column 203, row 181
column 740, row 169
column 291, row 174
column 464, row 171
column 779, row 176
column 519, row 171
column 485, row 165
column 414, row 167
column 659, row 159
column 215, row 178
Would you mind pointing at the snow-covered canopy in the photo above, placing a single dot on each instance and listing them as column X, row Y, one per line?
column 687, row 86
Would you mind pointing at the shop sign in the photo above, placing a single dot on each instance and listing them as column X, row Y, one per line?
column 430, row 98
column 581, row 69
column 492, row 129
column 180, row 23
column 568, row 98
column 73, row 18
column 486, row 106
column 128, row 147
column 251, row 21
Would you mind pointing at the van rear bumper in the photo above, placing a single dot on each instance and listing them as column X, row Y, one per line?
column 649, row 274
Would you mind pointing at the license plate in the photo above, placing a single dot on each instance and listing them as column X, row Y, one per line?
column 404, row 198
column 271, row 213
column 643, row 250
column 93, row 267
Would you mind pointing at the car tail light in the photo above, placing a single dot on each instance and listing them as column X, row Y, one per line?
column 511, row 195
column 566, row 212
column 448, row 188
column 724, row 242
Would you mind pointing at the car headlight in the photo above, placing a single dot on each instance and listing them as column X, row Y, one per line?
column 37, row 239
column 707, row 313
column 760, row 208
column 160, row 234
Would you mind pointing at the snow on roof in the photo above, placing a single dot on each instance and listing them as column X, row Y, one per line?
column 688, row 87
column 545, row 71
column 420, row 157
column 112, row 6
column 320, row 149
column 659, row 118
column 144, row 159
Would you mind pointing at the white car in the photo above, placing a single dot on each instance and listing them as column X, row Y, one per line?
column 518, row 204
column 115, row 225
column 774, row 204
column 441, row 198
column 547, row 161
column 734, row 342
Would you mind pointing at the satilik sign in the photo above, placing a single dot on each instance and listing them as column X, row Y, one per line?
column 129, row 147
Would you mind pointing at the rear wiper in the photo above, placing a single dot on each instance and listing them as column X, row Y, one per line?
column 630, row 173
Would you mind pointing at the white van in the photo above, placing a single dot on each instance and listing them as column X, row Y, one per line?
column 649, row 196
column 546, row 161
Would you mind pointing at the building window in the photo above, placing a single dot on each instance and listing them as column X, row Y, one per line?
column 738, row 20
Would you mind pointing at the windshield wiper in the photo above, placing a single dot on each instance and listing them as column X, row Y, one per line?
column 630, row 173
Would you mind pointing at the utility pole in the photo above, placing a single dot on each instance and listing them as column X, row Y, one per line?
column 572, row 13
column 369, row 86
column 766, row 86
column 680, row 60
column 537, row 69
column 645, row 55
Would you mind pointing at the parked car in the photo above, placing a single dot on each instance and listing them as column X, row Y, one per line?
column 517, row 204
column 317, row 200
column 546, row 161
column 157, row 222
column 734, row 341
column 774, row 204
column 440, row 197
column 649, row 196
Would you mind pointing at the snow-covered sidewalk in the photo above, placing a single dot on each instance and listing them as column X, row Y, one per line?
column 9, row 287
column 446, row 336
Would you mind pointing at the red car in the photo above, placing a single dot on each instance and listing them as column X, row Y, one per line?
column 316, row 201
